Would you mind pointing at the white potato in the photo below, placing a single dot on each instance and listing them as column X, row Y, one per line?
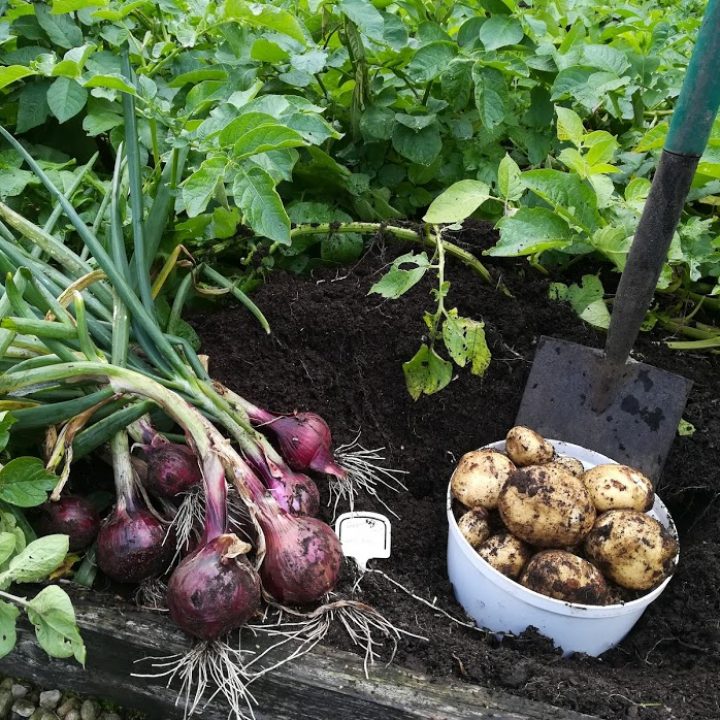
column 479, row 476
column 632, row 549
column 571, row 464
column 506, row 553
column 474, row 526
column 564, row 576
column 526, row 447
column 619, row 487
column 545, row 505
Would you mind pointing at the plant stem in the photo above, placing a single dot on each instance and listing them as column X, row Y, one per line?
column 400, row 233
column 14, row 599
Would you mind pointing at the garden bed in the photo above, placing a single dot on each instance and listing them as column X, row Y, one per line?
column 338, row 351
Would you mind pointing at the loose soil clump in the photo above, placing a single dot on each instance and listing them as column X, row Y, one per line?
column 338, row 351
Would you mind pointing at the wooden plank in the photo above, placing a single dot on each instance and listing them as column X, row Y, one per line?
column 324, row 685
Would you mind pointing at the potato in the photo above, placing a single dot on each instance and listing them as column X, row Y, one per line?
column 506, row 553
column 474, row 526
column 479, row 476
column 545, row 505
column 571, row 464
column 619, row 487
column 564, row 576
column 632, row 549
column 526, row 447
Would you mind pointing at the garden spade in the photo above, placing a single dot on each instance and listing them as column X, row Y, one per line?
column 603, row 400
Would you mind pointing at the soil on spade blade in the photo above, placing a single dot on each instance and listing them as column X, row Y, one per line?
column 338, row 351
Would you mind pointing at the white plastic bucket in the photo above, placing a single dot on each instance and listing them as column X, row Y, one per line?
column 502, row 605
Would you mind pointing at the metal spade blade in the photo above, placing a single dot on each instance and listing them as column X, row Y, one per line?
column 637, row 427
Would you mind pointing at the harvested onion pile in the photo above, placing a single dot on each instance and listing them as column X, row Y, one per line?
column 572, row 534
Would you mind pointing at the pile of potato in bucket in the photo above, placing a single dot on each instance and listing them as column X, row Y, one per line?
column 543, row 520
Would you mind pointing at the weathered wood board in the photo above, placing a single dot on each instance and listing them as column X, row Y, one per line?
column 324, row 685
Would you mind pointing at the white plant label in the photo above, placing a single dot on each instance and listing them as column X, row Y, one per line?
column 364, row 536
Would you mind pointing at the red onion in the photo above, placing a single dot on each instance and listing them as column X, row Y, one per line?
column 214, row 590
column 302, row 554
column 73, row 516
column 294, row 492
column 304, row 440
column 172, row 468
column 131, row 544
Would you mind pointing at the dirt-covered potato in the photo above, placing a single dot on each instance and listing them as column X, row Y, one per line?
column 474, row 526
column 632, row 549
column 506, row 553
column 479, row 476
column 619, row 487
column 546, row 506
column 526, row 447
column 564, row 576
column 571, row 464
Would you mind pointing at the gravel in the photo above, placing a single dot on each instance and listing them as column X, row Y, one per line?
column 20, row 700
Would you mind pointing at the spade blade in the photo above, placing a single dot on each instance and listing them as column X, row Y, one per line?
column 637, row 428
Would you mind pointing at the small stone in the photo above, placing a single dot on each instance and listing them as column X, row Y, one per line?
column 18, row 691
column 88, row 710
column 49, row 699
column 6, row 701
column 73, row 715
column 44, row 715
column 7, row 683
column 110, row 716
column 68, row 704
column 23, row 708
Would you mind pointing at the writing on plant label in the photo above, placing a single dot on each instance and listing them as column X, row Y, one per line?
column 364, row 536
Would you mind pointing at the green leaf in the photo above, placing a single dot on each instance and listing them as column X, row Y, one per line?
column 264, row 138
column 430, row 60
column 66, row 98
column 200, row 187
column 14, row 181
column 458, row 202
column 369, row 21
column 491, row 95
column 376, row 123
column 100, row 121
column 569, row 126
column 607, row 58
column 654, row 138
column 265, row 16
column 255, row 194
column 685, row 428
column 238, row 126
column 418, row 146
column 341, row 248
column 38, row 559
column 8, row 634
column 456, row 83
column 33, row 109
column 61, row 29
column 499, row 31
column 59, row 7
column 567, row 194
column 111, row 81
column 426, row 373
column 586, row 300
column 13, row 73
column 398, row 280
column 25, row 482
column 52, row 614
column 8, row 545
column 465, row 341
column 530, row 231
column 510, row 184
column 6, row 422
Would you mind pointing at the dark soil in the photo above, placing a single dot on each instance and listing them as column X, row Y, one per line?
column 338, row 351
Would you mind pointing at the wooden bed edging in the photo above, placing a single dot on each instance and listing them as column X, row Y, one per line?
column 323, row 685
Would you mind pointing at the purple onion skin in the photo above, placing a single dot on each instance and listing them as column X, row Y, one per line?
column 172, row 469
column 304, row 440
column 211, row 593
column 131, row 545
column 297, row 494
column 302, row 560
column 73, row 516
